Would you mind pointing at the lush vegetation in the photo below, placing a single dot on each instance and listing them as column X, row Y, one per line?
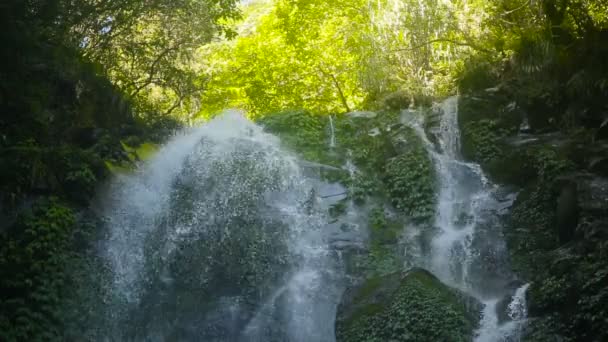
column 339, row 56
column 88, row 87
column 414, row 306
column 68, row 119
column 548, row 83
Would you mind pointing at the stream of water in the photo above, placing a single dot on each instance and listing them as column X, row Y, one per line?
column 468, row 251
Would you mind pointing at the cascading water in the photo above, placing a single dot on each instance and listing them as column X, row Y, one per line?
column 332, row 133
column 225, row 236
column 468, row 251
column 220, row 237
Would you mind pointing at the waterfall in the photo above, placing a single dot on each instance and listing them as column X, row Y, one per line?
column 332, row 137
column 468, row 251
column 220, row 237
column 226, row 236
column 518, row 308
column 510, row 331
column 461, row 197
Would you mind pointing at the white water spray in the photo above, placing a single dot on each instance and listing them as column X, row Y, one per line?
column 511, row 331
column 207, row 188
column 468, row 234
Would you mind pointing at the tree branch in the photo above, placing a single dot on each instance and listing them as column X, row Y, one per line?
column 445, row 40
column 153, row 67
column 516, row 9
column 337, row 84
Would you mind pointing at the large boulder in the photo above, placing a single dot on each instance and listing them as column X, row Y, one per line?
column 410, row 306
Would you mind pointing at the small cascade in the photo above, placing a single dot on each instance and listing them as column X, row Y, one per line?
column 524, row 127
column 332, row 137
column 467, row 251
column 518, row 308
column 516, row 314
column 450, row 250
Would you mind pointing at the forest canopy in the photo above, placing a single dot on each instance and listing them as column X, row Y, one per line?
column 332, row 57
column 193, row 58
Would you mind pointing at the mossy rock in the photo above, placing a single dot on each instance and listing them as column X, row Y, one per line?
column 304, row 132
column 410, row 306
column 411, row 184
column 567, row 295
column 515, row 167
column 384, row 228
column 488, row 136
column 391, row 159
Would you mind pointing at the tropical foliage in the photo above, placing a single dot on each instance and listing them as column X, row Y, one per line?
column 87, row 85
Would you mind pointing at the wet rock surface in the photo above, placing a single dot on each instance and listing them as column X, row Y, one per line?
column 409, row 306
column 556, row 228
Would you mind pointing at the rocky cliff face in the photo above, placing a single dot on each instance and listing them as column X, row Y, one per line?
column 421, row 205
column 557, row 228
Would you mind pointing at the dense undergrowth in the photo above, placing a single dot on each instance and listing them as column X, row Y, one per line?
column 537, row 121
column 62, row 122
column 82, row 97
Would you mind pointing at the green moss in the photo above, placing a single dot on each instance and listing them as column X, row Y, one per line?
column 533, row 215
column 412, row 307
column 302, row 131
column 33, row 261
column 481, row 140
column 368, row 288
column 116, row 168
column 484, row 141
column 361, row 187
column 382, row 256
column 410, row 181
column 366, row 141
column 565, row 296
column 549, row 164
column 338, row 209
column 486, row 121
column 382, row 260
column 384, row 230
column 309, row 135
column 142, row 152
column 389, row 171
column 379, row 260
